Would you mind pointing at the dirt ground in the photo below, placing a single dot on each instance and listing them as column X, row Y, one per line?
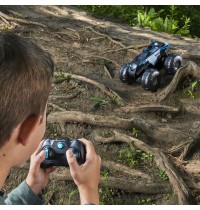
column 95, row 48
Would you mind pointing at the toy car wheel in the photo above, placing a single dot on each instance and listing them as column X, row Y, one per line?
column 172, row 63
column 151, row 80
column 124, row 75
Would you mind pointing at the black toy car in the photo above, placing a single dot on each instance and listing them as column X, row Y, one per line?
column 148, row 64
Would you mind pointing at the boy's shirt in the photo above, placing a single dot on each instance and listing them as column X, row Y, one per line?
column 22, row 195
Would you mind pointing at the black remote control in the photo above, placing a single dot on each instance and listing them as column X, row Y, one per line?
column 55, row 150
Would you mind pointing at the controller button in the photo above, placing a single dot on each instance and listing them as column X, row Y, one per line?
column 47, row 153
column 60, row 145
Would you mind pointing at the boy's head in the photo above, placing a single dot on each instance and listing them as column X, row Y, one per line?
column 25, row 79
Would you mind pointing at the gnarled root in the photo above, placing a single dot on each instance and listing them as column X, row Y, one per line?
column 119, row 183
column 102, row 87
column 162, row 163
column 154, row 130
column 190, row 68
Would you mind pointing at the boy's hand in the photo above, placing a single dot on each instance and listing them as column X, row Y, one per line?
column 37, row 178
column 86, row 176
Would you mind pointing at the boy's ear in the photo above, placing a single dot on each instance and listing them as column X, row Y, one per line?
column 27, row 128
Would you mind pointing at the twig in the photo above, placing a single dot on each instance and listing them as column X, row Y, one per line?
column 108, row 73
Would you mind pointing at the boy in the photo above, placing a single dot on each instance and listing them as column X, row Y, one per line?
column 25, row 79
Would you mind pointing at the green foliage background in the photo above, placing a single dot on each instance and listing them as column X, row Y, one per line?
column 183, row 20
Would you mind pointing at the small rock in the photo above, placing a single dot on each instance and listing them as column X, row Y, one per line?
column 163, row 120
column 169, row 116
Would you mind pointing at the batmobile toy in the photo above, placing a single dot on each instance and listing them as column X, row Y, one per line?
column 147, row 65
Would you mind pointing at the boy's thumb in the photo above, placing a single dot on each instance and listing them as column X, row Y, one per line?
column 72, row 160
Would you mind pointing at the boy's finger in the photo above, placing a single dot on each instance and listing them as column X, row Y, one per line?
column 38, row 159
column 90, row 151
column 72, row 161
column 38, row 148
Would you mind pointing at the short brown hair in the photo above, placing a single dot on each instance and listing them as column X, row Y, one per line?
column 25, row 79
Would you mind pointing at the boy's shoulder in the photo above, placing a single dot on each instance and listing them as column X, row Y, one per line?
column 2, row 200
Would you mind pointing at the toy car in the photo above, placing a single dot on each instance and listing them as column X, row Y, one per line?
column 148, row 64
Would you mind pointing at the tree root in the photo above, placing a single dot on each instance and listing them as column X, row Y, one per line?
column 102, row 87
column 189, row 69
column 149, row 108
column 136, row 47
column 56, row 107
column 189, row 106
column 162, row 162
column 156, row 131
column 103, row 58
column 21, row 20
column 106, row 36
column 70, row 96
column 190, row 56
column 124, row 169
column 119, row 183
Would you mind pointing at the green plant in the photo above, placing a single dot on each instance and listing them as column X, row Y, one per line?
column 71, row 194
column 6, row 27
column 191, row 90
column 116, row 101
column 144, row 17
column 146, row 156
column 129, row 156
column 105, row 193
column 99, row 100
column 163, row 175
column 134, row 132
column 145, row 201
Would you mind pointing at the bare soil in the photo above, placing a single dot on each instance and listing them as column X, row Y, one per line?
column 95, row 48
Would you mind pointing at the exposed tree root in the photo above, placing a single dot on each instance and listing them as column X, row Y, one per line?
column 192, row 167
column 190, row 56
column 154, row 130
column 102, row 87
column 149, row 108
column 191, row 106
column 22, row 21
column 70, row 96
column 106, row 36
column 187, row 146
column 56, row 107
column 162, row 163
column 136, row 47
column 189, row 69
column 119, row 183
column 125, row 169
column 103, row 58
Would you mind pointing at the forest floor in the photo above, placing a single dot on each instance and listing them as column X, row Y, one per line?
column 148, row 142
